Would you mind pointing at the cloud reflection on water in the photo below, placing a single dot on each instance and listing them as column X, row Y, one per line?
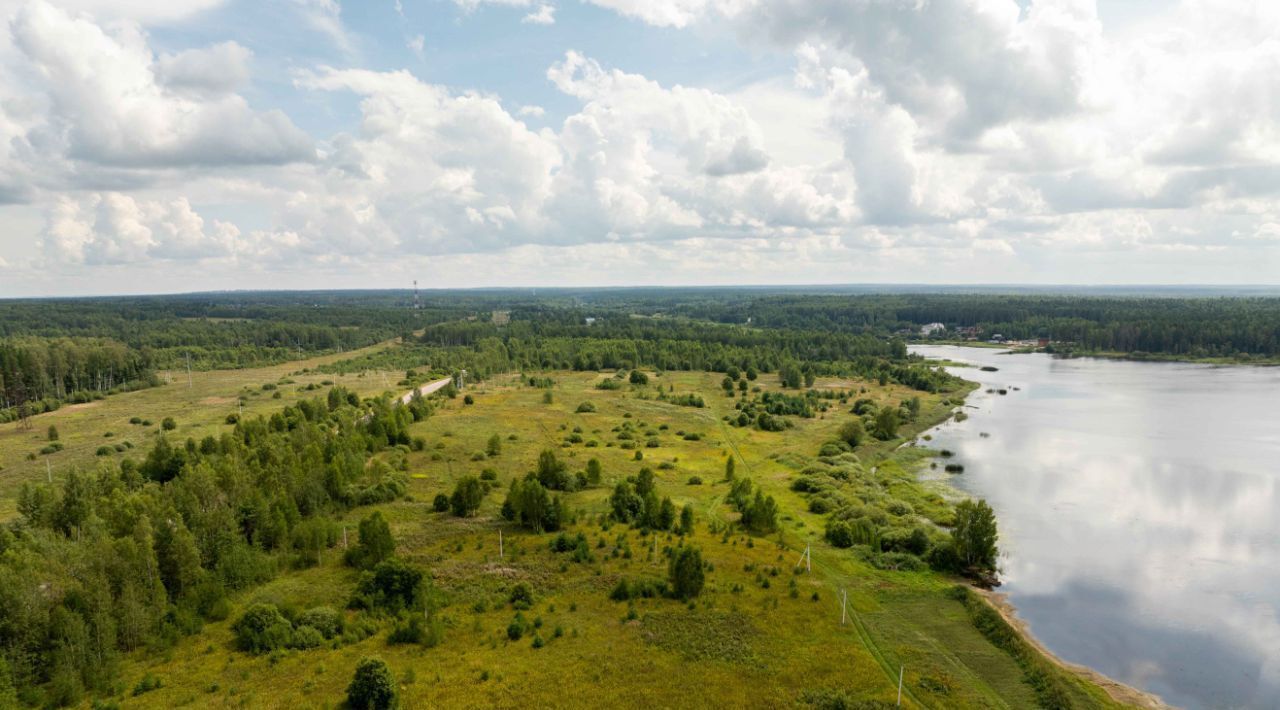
column 1138, row 507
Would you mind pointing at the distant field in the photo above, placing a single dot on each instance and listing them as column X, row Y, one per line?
column 199, row 408
column 762, row 633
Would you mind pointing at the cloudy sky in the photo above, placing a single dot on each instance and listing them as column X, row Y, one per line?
column 209, row 144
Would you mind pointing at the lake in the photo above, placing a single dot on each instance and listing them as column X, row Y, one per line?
column 1139, row 512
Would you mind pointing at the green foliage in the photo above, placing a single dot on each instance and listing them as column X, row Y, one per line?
column 262, row 629
column 685, row 573
column 852, row 432
column 441, row 503
column 375, row 543
column 168, row 424
column 327, row 621
column 974, row 535
column 552, row 473
column 638, row 378
column 886, row 424
column 521, row 596
column 392, row 586
column 468, row 494
column 529, row 505
column 494, row 446
column 373, row 687
column 626, row 590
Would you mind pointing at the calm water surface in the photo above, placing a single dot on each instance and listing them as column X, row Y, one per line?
column 1139, row 508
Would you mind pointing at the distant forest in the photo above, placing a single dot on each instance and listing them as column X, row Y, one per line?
column 54, row 351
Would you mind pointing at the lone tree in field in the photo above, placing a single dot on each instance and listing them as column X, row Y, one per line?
column 638, row 378
column 494, row 447
column 552, row 473
column 376, row 543
column 728, row 469
column 467, row 496
column 685, row 573
column 373, row 687
column 974, row 535
column 53, row 433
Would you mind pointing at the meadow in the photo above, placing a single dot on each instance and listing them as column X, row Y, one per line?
column 765, row 631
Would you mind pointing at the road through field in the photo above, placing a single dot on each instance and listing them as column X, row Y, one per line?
column 426, row 389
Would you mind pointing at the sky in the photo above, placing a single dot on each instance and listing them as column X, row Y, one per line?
column 191, row 145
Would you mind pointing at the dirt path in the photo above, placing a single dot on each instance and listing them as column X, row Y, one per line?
column 427, row 389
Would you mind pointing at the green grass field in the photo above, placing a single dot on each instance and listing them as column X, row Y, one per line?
column 762, row 633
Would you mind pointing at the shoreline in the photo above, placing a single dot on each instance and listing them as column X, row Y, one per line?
column 1154, row 358
column 1116, row 690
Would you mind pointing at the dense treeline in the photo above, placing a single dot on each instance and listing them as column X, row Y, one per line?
column 548, row 339
column 141, row 553
column 1183, row 327
column 222, row 330
column 37, row 374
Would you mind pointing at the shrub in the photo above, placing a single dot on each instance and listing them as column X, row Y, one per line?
column 392, row 586
column 468, row 399
column 521, row 596
column 515, row 629
column 585, row 408
column 53, row 433
column 638, row 589
column 305, row 637
column 148, row 683
column 262, row 629
column 326, row 620
column 104, row 451
column 695, row 481
column 373, row 687
column 685, row 573
column 638, row 378
column 441, row 503
column 168, row 424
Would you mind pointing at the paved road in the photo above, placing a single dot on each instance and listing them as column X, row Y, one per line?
column 426, row 389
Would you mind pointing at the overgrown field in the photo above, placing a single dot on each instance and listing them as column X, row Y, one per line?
column 765, row 631
column 127, row 424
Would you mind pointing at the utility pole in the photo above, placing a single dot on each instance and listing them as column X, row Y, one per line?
column 806, row 558
column 844, row 603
